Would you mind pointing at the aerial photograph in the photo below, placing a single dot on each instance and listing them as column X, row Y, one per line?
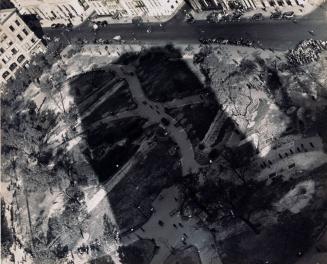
column 163, row 131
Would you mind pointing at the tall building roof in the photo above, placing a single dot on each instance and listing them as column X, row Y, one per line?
column 5, row 14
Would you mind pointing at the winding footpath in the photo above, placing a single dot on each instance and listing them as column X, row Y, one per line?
column 155, row 112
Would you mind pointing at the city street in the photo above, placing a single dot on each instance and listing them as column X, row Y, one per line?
column 268, row 33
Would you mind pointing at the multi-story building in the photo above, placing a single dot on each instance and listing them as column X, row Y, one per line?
column 281, row 3
column 108, row 7
column 17, row 44
column 204, row 5
column 54, row 11
column 154, row 8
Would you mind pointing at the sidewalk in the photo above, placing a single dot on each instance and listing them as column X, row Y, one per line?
column 306, row 9
column 128, row 19
column 75, row 21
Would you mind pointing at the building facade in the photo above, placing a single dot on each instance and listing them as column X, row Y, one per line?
column 54, row 11
column 206, row 5
column 153, row 8
column 108, row 8
column 17, row 44
column 281, row 3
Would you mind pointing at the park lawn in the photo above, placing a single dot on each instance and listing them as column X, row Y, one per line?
column 121, row 100
column 199, row 116
column 87, row 83
column 118, row 142
column 140, row 252
column 132, row 197
column 164, row 75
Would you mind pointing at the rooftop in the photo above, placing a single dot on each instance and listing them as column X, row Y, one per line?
column 6, row 13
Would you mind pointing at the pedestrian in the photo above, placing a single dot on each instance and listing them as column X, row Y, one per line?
column 175, row 225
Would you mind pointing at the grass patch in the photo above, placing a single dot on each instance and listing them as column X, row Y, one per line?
column 114, row 145
column 131, row 199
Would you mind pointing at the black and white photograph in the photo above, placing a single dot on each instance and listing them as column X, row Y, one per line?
column 163, row 131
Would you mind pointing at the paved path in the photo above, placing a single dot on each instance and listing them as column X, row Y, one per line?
column 168, row 236
column 154, row 112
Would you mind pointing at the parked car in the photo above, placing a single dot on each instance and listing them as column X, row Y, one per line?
column 276, row 15
column 257, row 16
column 189, row 18
column 227, row 18
column 288, row 15
column 58, row 25
column 237, row 17
column 101, row 23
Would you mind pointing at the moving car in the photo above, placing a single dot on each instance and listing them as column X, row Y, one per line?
column 311, row 32
column 117, row 38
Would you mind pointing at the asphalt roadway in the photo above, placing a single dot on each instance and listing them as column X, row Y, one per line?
column 275, row 34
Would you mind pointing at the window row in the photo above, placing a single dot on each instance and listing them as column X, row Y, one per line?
column 19, row 59
column 14, row 51
column 13, row 66
column 11, row 27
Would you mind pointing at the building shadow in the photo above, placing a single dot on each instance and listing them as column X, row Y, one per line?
column 118, row 137
column 130, row 136
column 34, row 24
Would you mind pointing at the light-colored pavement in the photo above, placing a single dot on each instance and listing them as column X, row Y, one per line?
column 145, row 18
column 300, row 155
